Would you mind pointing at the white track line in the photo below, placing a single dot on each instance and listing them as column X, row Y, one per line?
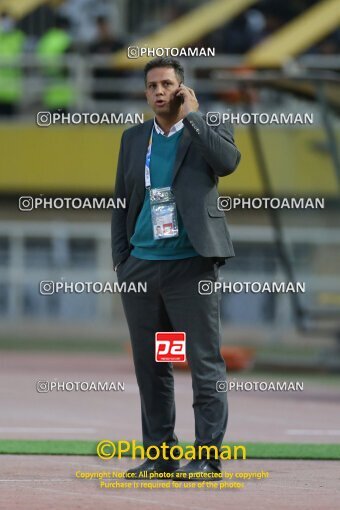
column 80, row 463
column 60, row 430
column 313, row 432
column 323, row 490
column 49, row 480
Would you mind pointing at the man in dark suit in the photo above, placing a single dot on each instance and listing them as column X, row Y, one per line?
column 175, row 151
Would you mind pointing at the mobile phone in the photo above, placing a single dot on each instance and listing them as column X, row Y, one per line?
column 181, row 98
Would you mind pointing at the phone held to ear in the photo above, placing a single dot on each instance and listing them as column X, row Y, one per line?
column 180, row 98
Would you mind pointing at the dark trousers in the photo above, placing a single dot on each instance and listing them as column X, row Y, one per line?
column 172, row 303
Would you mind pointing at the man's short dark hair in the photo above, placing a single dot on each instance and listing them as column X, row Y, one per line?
column 165, row 62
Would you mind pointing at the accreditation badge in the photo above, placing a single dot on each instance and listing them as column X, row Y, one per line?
column 163, row 213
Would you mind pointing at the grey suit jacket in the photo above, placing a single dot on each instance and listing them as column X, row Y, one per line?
column 205, row 153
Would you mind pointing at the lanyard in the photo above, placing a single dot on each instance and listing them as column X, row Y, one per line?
column 147, row 163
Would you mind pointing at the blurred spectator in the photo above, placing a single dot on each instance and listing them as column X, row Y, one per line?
column 58, row 92
column 142, row 21
column 12, row 42
column 239, row 35
column 330, row 45
column 105, row 41
column 263, row 20
column 105, row 44
column 83, row 15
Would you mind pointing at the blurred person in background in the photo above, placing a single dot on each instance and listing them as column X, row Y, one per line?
column 105, row 43
column 51, row 48
column 83, row 15
column 12, row 42
column 173, row 250
column 329, row 46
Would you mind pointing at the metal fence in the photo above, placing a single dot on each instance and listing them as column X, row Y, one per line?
column 31, row 252
column 210, row 77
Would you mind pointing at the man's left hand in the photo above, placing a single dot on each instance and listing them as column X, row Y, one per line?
column 190, row 103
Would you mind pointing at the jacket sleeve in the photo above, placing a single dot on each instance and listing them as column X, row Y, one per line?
column 119, row 240
column 217, row 146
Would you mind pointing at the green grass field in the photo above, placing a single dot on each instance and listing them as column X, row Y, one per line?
column 254, row 450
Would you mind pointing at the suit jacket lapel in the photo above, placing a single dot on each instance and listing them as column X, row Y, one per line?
column 183, row 147
column 143, row 140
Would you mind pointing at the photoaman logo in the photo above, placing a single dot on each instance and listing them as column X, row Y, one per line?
column 107, row 450
column 170, row 346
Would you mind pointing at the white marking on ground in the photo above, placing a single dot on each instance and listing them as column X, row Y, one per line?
column 39, row 480
column 313, row 432
column 60, row 430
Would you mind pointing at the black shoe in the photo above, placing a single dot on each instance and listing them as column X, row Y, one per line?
column 196, row 469
column 153, row 466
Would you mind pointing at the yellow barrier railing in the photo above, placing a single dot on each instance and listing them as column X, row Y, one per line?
column 19, row 8
column 84, row 160
column 185, row 30
column 297, row 36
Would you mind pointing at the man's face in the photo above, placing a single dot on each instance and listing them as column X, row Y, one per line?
column 161, row 86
